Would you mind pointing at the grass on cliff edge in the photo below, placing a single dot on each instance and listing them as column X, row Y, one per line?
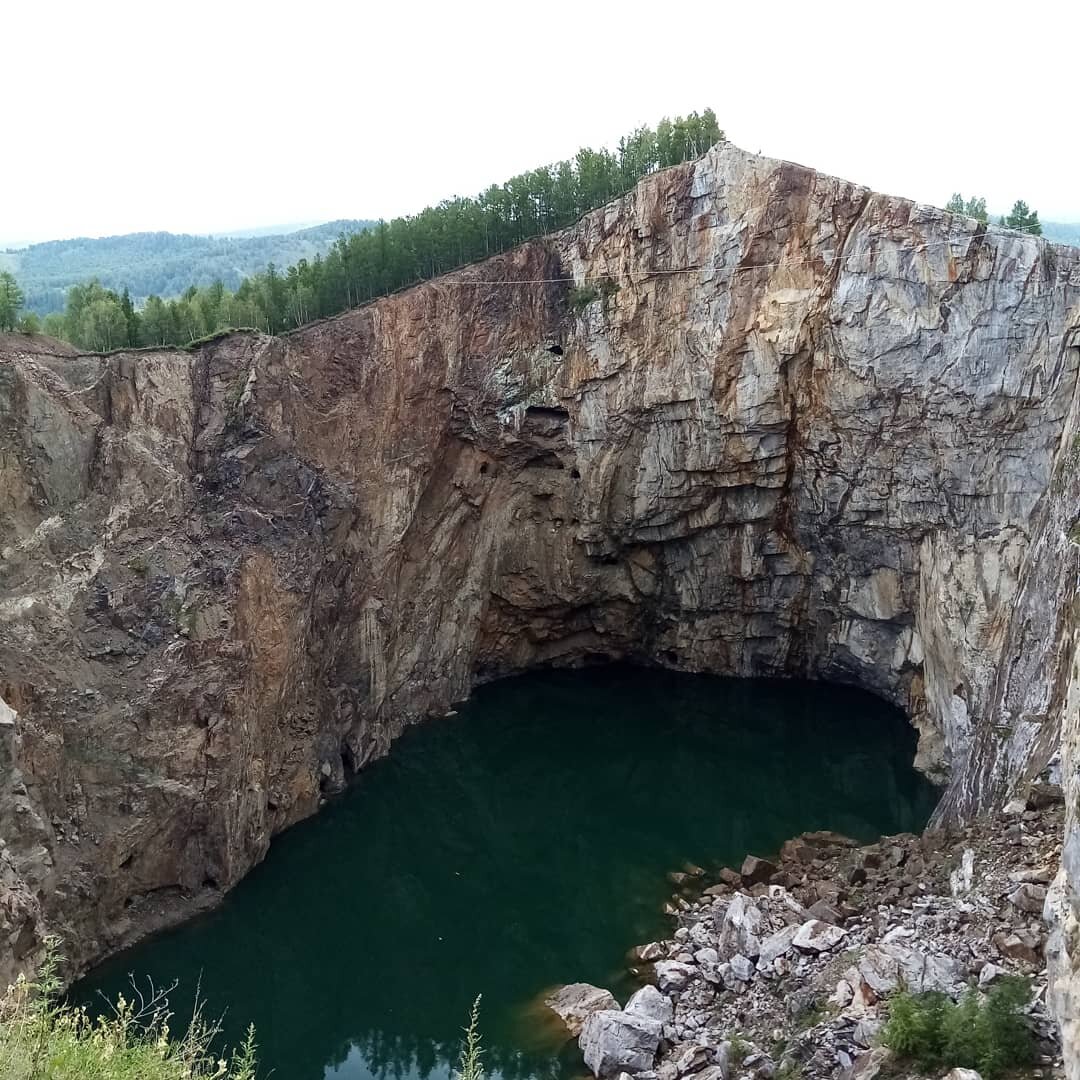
column 43, row 1039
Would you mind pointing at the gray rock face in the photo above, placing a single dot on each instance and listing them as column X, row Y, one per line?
column 613, row 1041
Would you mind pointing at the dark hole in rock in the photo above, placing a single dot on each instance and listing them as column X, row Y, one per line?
column 547, row 412
column 555, row 349
column 126, row 864
column 210, row 882
column 671, row 656
column 348, row 760
column 544, row 461
column 575, row 474
column 483, row 468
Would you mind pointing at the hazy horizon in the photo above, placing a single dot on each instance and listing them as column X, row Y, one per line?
column 351, row 112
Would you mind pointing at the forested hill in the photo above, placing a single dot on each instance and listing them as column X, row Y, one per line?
column 1062, row 232
column 159, row 263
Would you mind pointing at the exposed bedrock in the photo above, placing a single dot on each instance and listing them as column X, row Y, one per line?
column 802, row 428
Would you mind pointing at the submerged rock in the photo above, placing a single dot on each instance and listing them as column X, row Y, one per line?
column 575, row 1003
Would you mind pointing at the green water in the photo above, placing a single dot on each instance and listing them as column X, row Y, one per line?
column 520, row 844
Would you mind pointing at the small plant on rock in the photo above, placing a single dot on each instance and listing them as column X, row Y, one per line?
column 469, row 1065
column 740, row 1048
column 581, row 296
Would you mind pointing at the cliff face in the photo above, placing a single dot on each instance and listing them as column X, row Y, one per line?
column 801, row 429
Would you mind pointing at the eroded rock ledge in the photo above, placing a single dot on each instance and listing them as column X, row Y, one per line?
column 805, row 428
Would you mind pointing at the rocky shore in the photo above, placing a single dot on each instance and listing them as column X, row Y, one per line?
column 786, row 967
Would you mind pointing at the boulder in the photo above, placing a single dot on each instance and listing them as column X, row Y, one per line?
column 757, row 871
column 1029, row 897
column 824, row 912
column 1021, row 945
column 690, row 1058
column 866, row 1031
column 962, row 1074
column 775, row 945
column 1043, row 796
column 868, row 1066
column 651, row 1004
column 739, row 931
column 742, row 968
column 886, row 967
column 708, row 961
column 612, row 1042
column 989, row 972
column 816, row 936
column 1040, row 875
column 575, row 1003
column 798, row 850
column 673, row 975
column 961, row 878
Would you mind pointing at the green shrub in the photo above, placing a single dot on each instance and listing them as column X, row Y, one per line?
column 581, row 296
column 936, row 1033
column 608, row 288
column 43, row 1039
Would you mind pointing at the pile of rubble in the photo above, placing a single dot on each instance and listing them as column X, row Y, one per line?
column 785, row 968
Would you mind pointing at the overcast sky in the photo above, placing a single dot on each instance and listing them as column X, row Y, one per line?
column 209, row 116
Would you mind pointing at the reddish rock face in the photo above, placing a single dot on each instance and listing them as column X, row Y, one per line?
column 802, row 429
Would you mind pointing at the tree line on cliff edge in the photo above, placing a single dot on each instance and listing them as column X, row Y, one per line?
column 1021, row 216
column 386, row 256
column 389, row 255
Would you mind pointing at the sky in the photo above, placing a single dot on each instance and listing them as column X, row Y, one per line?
column 212, row 116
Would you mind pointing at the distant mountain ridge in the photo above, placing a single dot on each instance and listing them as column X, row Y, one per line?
column 160, row 263
column 1062, row 232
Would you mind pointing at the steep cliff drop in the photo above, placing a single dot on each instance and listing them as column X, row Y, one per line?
column 775, row 424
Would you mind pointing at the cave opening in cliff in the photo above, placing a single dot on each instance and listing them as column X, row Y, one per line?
column 529, row 840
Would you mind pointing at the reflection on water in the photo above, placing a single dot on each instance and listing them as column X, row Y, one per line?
column 521, row 844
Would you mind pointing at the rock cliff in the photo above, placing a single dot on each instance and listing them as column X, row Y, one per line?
column 775, row 424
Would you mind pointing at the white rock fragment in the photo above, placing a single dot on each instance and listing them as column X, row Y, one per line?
column 816, row 936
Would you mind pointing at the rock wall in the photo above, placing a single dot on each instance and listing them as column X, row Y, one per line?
column 785, row 426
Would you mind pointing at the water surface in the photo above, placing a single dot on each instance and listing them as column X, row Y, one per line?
column 521, row 844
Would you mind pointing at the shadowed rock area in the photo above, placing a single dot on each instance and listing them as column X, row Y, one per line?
column 802, row 428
